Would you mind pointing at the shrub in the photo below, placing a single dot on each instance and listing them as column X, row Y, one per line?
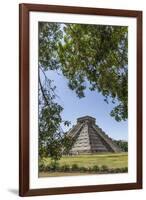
column 90, row 169
column 111, row 170
column 117, row 170
column 95, row 168
column 48, row 168
column 54, row 166
column 124, row 169
column 75, row 167
column 64, row 168
column 83, row 169
column 104, row 168
column 41, row 167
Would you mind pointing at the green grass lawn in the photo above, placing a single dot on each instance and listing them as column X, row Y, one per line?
column 112, row 160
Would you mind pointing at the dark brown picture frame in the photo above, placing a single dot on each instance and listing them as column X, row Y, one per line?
column 24, row 10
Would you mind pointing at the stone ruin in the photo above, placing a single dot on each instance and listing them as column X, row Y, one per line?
column 88, row 138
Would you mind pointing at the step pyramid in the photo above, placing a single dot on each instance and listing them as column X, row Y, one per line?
column 87, row 137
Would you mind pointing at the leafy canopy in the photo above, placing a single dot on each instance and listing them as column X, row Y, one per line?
column 97, row 54
column 50, row 133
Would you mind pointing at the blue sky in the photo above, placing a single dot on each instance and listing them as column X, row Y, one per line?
column 92, row 104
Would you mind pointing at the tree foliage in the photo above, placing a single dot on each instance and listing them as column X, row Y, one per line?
column 97, row 54
column 50, row 133
column 49, row 120
column 49, row 36
column 122, row 144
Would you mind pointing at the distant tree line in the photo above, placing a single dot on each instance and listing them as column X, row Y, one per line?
column 122, row 144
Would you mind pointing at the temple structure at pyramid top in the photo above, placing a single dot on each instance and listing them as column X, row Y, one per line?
column 87, row 137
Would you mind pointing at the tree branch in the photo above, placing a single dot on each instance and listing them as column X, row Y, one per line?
column 43, row 94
